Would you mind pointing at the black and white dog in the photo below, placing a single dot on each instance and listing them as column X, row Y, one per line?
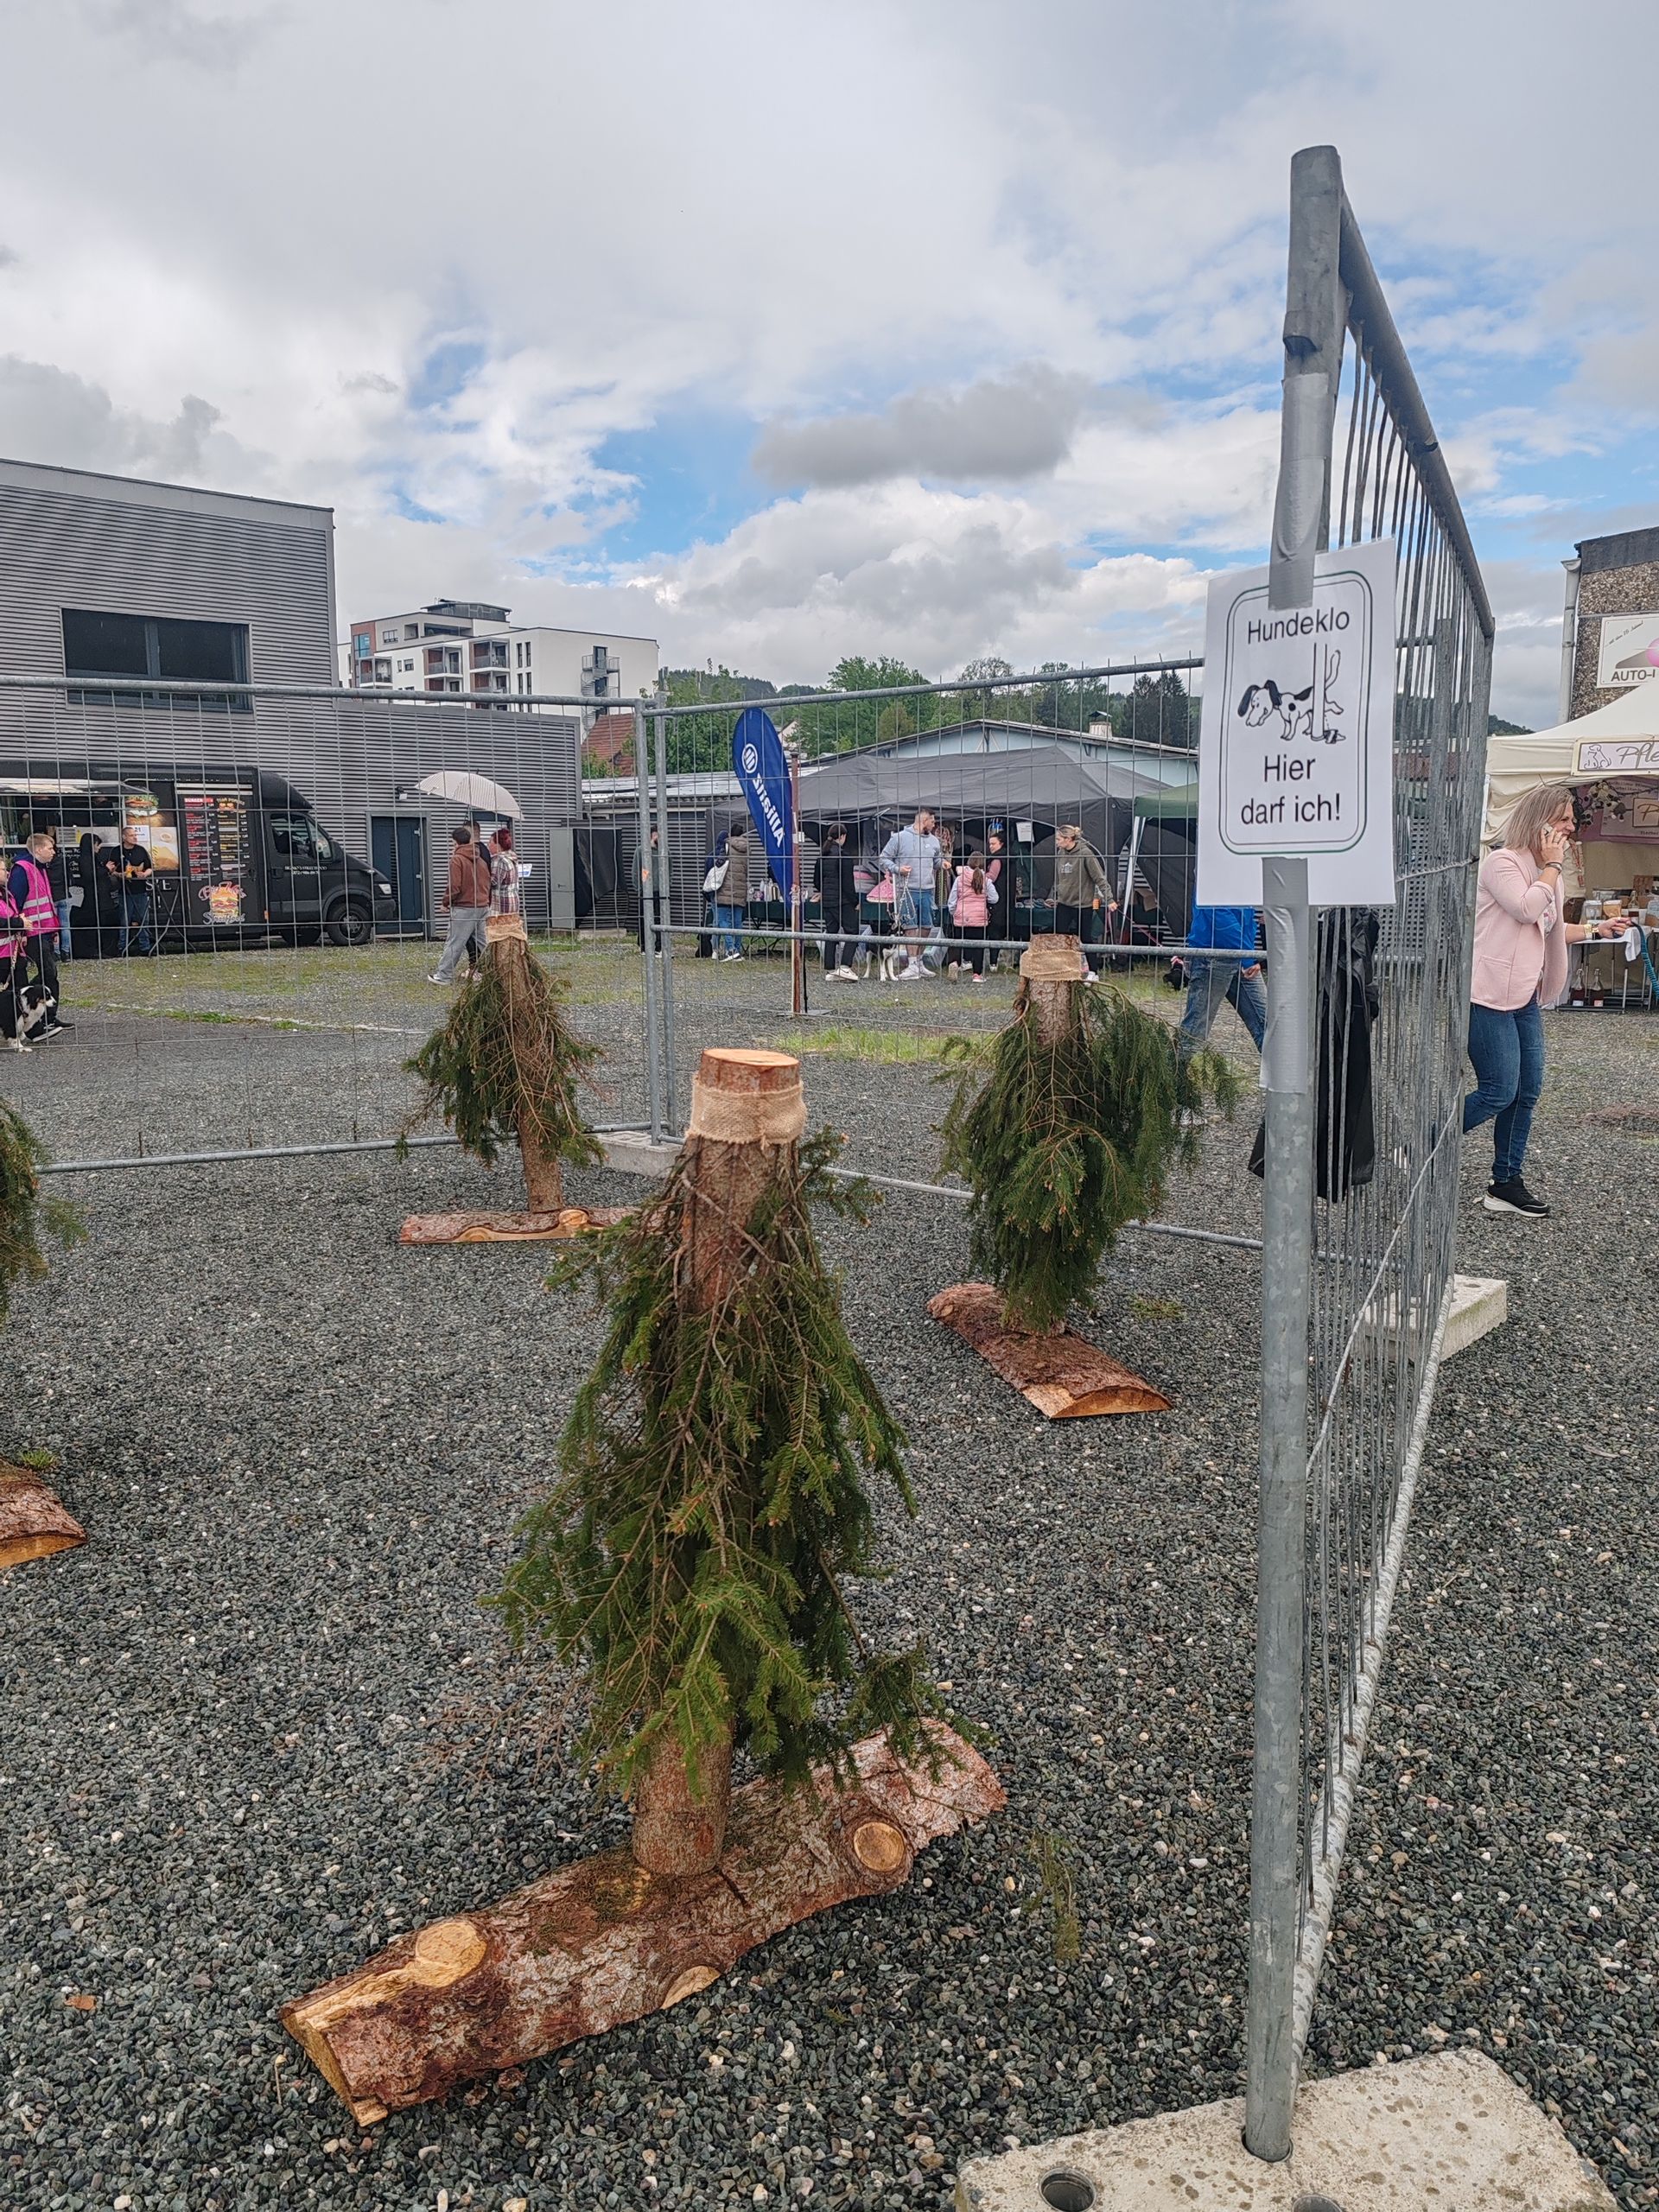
column 26, row 1011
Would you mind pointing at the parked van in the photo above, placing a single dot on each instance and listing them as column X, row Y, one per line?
column 238, row 855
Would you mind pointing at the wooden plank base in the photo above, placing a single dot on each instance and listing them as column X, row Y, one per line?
column 508, row 1228
column 1064, row 1375
column 33, row 1522
column 602, row 1942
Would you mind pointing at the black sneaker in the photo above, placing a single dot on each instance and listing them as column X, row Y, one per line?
column 1512, row 1197
column 56, row 1028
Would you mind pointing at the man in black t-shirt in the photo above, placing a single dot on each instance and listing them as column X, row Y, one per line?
column 128, row 865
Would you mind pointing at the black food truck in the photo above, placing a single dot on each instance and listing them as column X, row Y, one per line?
column 238, row 855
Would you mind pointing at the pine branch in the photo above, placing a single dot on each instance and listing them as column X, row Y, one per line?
column 1064, row 1142
column 712, row 1497
column 27, row 1218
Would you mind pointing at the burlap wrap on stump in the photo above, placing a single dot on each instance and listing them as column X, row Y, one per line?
column 496, row 926
column 1051, row 960
column 747, row 1117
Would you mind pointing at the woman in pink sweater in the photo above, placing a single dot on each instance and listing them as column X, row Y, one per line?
column 1519, row 965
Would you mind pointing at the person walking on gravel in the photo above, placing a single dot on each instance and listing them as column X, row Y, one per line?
column 1519, row 967
column 912, row 858
column 1210, row 982
column 468, row 899
column 1080, row 886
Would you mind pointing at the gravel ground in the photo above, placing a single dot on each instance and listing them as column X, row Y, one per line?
column 260, row 1723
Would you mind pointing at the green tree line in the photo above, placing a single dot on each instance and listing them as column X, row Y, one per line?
column 1156, row 710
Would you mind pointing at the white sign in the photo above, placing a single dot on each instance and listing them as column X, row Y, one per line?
column 1629, row 643
column 1618, row 756
column 1296, row 743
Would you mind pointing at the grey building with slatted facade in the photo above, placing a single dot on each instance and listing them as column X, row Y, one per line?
column 107, row 577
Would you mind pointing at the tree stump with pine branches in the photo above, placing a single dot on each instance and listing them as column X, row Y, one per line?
column 34, row 1522
column 689, row 1569
column 1087, row 1106
column 504, row 1069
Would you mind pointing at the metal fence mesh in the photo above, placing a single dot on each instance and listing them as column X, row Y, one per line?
column 1384, row 1246
column 274, row 977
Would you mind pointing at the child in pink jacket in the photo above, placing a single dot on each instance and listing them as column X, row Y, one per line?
column 972, row 897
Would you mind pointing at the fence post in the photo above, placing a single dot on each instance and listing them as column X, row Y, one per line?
column 647, row 932
column 1314, row 324
column 666, row 917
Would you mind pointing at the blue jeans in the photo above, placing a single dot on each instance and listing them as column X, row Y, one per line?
column 727, row 922
column 65, row 949
column 135, row 919
column 1506, row 1048
column 1209, row 982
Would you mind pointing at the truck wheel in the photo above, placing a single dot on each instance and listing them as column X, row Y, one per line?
column 350, row 924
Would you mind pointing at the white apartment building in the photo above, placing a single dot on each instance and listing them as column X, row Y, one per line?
column 466, row 645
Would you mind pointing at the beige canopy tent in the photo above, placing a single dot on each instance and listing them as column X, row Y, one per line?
column 1611, row 759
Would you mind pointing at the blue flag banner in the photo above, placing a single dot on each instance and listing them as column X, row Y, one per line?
column 760, row 767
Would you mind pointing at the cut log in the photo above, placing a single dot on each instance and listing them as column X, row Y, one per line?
column 508, row 1228
column 604, row 1942
column 543, row 1174
column 33, row 1522
column 675, row 1833
column 747, row 1111
column 1064, row 1375
column 1051, row 976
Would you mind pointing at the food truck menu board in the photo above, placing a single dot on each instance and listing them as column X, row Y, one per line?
column 216, row 846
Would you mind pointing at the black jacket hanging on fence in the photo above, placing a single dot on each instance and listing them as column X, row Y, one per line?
column 1344, row 1137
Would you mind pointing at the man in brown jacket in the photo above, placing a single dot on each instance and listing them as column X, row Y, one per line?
column 467, row 900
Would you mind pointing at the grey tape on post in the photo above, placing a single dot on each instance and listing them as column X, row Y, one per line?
column 1287, row 1051
column 1299, row 503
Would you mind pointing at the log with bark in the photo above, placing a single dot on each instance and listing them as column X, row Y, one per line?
column 606, row 1942
column 530, row 1227
column 33, row 1522
column 1063, row 1374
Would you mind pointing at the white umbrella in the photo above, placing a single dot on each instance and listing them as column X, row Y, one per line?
column 477, row 793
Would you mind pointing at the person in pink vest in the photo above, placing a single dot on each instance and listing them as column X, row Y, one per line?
column 31, row 893
column 972, row 897
column 1519, row 965
column 14, row 959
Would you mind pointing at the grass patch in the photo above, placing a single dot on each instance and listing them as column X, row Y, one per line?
column 1156, row 1309
column 884, row 1047
column 37, row 1461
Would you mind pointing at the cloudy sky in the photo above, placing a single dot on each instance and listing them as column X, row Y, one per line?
column 778, row 331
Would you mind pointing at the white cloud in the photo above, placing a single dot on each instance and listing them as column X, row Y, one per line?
column 295, row 248
column 1015, row 426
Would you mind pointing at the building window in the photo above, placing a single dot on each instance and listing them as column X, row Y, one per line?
column 103, row 644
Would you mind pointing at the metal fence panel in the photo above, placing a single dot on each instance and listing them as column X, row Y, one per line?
column 1005, row 756
column 278, row 980
column 1377, row 1249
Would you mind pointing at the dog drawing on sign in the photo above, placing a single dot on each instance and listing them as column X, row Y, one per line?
column 1291, row 713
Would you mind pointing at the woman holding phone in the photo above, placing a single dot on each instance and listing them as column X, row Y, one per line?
column 1520, row 966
